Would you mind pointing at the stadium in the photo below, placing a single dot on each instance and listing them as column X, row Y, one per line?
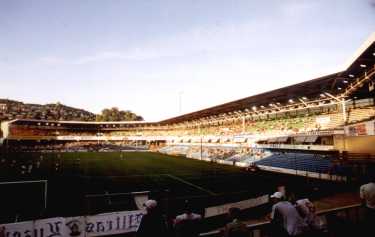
column 314, row 137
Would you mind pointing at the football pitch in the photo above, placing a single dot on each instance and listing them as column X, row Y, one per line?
column 114, row 172
column 79, row 181
column 74, row 176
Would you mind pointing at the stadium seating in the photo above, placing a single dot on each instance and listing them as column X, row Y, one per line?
column 274, row 125
column 299, row 161
column 360, row 114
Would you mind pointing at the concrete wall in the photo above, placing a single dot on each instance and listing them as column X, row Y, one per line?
column 355, row 144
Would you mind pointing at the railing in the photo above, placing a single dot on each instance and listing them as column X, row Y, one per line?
column 260, row 229
column 358, row 83
column 298, row 147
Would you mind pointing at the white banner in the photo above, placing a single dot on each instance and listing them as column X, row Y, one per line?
column 49, row 227
column 113, row 223
column 81, row 226
column 223, row 209
column 75, row 226
column 91, row 138
column 19, row 229
column 140, row 199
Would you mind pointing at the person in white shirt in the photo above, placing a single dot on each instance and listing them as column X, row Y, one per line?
column 286, row 215
column 187, row 224
column 367, row 194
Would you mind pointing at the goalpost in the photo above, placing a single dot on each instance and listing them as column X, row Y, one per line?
column 34, row 191
column 113, row 199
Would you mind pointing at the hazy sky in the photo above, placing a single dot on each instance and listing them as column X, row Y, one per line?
column 141, row 54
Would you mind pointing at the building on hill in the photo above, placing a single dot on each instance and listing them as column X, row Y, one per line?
column 3, row 107
column 10, row 110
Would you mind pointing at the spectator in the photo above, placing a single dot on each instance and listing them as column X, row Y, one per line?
column 306, row 209
column 282, row 189
column 152, row 223
column 367, row 194
column 235, row 228
column 2, row 231
column 286, row 216
column 187, row 224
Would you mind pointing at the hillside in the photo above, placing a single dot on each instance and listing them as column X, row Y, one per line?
column 11, row 109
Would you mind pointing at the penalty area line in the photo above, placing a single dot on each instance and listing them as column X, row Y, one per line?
column 191, row 184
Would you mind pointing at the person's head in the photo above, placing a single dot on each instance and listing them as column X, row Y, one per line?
column 311, row 207
column 281, row 189
column 277, row 197
column 150, row 205
column 234, row 213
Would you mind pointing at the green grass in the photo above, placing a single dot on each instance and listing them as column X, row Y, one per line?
column 146, row 171
column 86, row 173
column 140, row 163
column 169, row 179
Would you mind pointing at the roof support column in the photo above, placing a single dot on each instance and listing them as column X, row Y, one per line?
column 243, row 124
column 344, row 110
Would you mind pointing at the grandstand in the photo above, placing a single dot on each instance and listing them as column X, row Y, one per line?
column 333, row 113
column 312, row 113
column 319, row 128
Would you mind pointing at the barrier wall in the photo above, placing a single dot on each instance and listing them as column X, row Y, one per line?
column 104, row 224
column 80, row 226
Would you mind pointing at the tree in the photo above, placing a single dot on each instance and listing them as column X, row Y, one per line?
column 114, row 114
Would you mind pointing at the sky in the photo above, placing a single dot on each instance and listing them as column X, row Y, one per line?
column 164, row 58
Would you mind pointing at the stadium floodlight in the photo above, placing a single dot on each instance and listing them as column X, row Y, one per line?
column 291, row 101
column 339, row 88
column 262, row 106
column 351, row 75
column 323, row 95
column 345, row 81
column 254, row 108
column 363, row 65
column 304, row 98
column 270, row 104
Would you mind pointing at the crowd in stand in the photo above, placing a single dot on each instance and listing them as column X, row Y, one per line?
column 270, row 125
column 75, row 146
column 27, row 131
column 232, row 154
